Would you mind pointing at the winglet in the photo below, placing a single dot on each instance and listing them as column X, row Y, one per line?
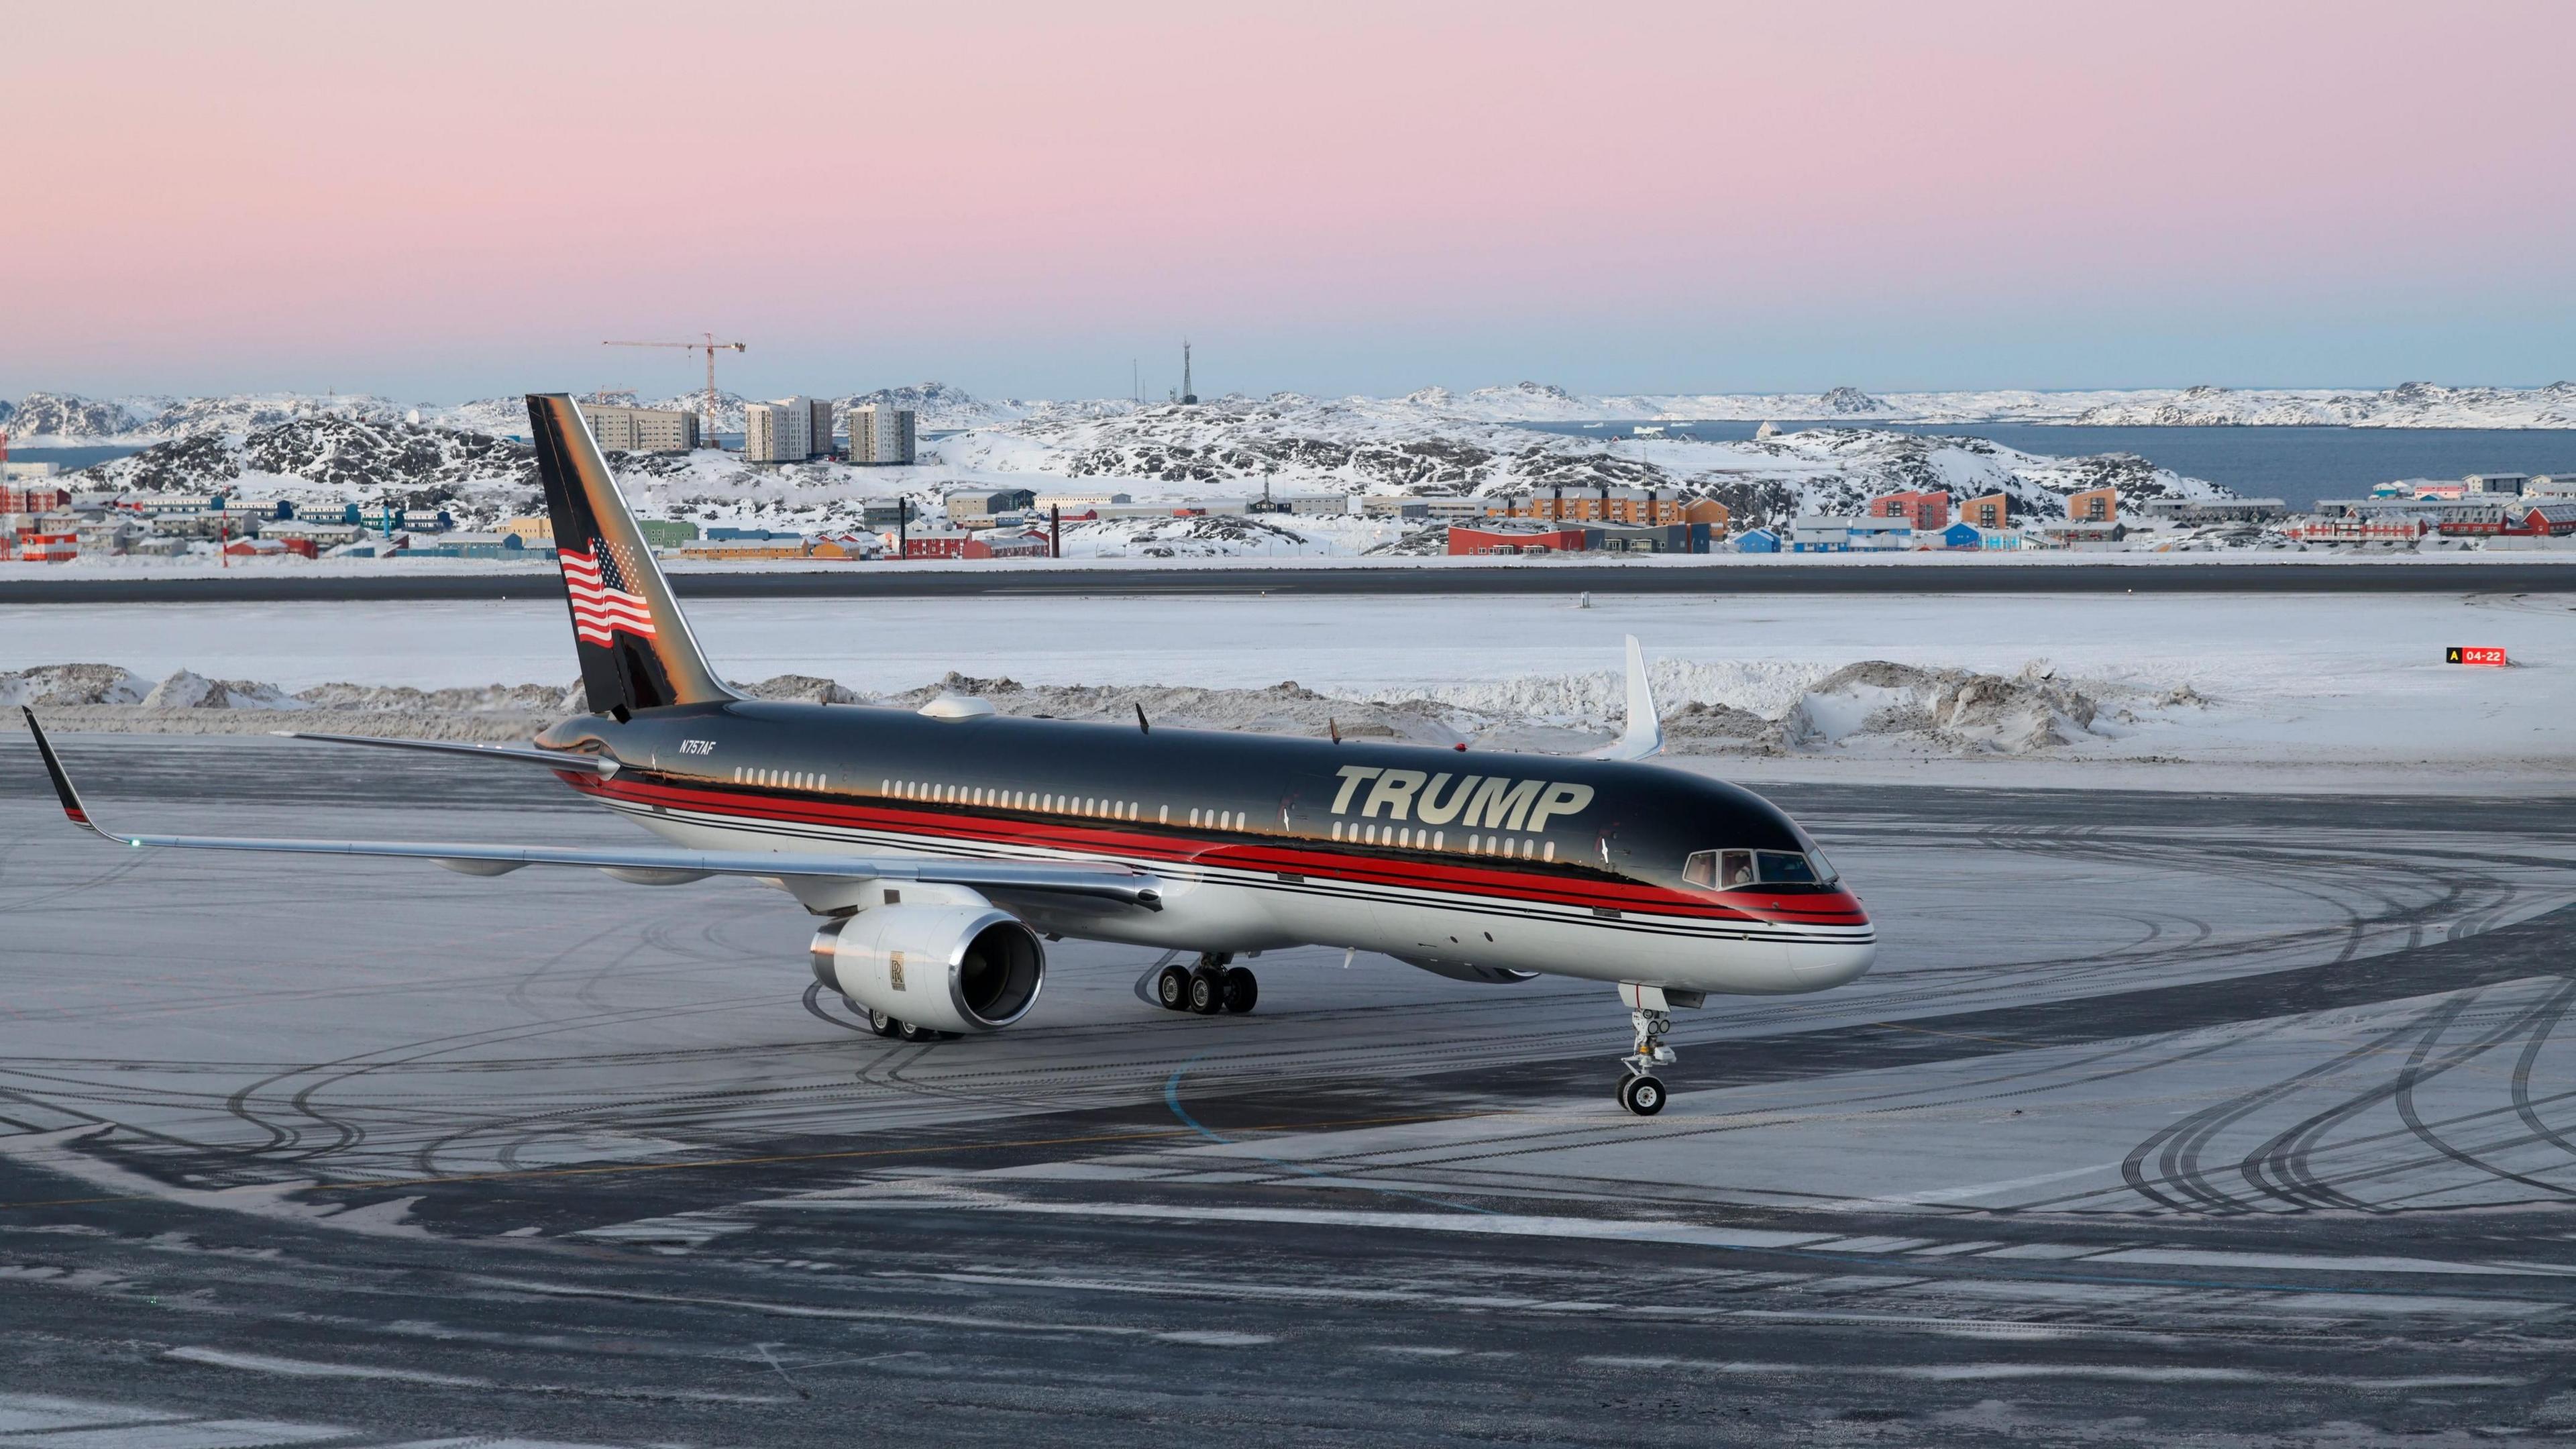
column 62, row 783
column 1644, row 737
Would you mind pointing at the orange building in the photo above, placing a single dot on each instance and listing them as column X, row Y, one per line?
column 1992, row 511
column 1617, row 505
column 1928, row 512
column 2093, row 505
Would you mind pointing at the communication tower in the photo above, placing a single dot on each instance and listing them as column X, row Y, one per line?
column 1188, row 394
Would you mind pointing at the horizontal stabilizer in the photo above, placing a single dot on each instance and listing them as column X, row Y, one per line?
column 565, row 760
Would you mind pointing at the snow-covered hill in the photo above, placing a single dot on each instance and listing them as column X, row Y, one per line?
column 1299, row 445
column 1232, row 447
column 337, row 459
column 2408, row 405
column 43, row 418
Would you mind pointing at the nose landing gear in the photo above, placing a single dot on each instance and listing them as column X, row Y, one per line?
column 1641, row 1091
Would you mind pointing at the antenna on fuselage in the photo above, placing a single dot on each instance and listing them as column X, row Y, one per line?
column 1142, row 727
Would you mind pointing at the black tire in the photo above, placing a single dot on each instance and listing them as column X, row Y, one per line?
column 910, row 1032
column 1642, row 1094
column 1207, row 992
column 1242, row 989
column 882, row 1024
column 1172, row 988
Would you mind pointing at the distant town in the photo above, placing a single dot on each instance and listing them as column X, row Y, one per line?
column 45, row 520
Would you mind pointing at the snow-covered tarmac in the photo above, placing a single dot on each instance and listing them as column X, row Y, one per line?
column 2261, row 1097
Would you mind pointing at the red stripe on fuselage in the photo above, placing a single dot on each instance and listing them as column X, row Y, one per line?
column 1162, row 842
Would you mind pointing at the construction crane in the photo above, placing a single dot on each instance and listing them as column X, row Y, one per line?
column 710, row 347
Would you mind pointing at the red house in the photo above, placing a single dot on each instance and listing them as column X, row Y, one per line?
column 959, row 543
column 2516, row 520
column 1468, row 539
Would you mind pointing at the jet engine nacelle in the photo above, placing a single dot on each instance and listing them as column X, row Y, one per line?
column 947, row 967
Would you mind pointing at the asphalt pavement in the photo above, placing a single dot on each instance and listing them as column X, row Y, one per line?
column 2228, row 1118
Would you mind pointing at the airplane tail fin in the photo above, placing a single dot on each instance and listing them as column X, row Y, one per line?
column 635, row 646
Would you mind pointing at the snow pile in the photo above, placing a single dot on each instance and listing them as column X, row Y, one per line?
column 186, row 690
column 789, row 688
column 1286, row 708
column 72, row 684
column 1767, row 707
column 1777, row 707
column 549, row 700
column 1951, row 710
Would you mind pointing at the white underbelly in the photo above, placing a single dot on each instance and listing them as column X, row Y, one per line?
column 1216, row 909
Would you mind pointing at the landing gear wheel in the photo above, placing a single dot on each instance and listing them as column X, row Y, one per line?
column 1242, row 988
column 910, row 1032
column 1207, row 992
column 1642, row 1094
column 882, row 1024
column 1172, row 988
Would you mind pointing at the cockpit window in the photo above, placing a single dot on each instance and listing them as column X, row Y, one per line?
column 1727, row 870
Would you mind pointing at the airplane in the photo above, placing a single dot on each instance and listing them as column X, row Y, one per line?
column 943, row 848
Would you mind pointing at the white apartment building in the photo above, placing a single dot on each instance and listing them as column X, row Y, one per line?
column 881, row 435
column 779, row 431
column 641, row 430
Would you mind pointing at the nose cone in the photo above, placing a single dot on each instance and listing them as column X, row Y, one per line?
column 1836, row 942
column 1821, row 967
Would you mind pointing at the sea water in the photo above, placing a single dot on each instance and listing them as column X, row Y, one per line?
column 2296, row 465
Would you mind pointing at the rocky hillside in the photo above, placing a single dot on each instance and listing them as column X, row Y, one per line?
column 338, row 458
column 2408, row 405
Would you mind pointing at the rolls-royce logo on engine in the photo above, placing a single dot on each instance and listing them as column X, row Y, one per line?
column 894, row 969
column 1474, row 802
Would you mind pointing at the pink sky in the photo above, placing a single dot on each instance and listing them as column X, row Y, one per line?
column 454, row 199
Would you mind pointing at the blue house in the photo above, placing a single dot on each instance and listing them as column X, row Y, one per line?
column 1962, row 535
column 1757, row 540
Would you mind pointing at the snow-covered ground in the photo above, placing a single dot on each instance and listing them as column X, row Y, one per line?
column 2185, row 691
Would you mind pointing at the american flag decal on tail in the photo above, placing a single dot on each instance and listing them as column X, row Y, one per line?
column 600, row 602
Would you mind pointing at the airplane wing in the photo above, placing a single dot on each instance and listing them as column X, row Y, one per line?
column 658, row 865
column 1645, row 733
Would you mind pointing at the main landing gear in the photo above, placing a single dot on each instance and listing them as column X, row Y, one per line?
column 1210, row 987
column 1641, row 1091
column 886, row 1026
